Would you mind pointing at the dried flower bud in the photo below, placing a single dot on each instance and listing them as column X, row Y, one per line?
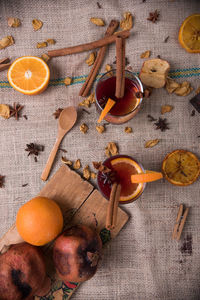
column 37, row 24
column 14, row 22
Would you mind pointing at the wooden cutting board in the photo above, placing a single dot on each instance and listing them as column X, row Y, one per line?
column 80, row 203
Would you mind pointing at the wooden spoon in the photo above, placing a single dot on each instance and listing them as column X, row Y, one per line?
column 66, row 121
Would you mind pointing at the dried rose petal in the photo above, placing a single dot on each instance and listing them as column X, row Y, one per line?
column 151, row 143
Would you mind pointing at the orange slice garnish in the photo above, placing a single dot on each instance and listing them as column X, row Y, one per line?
column 189, row 34
column 106, row 109
column 149, row 176
column 29, row 75
column 124, row 167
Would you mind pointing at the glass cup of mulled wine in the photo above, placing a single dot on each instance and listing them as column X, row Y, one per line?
column 120, row 169
column 126, row 107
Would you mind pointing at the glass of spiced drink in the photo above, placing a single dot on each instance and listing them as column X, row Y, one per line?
column 126, row 107
column 119, row 169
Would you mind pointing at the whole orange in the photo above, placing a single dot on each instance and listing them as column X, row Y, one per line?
column 39, row 221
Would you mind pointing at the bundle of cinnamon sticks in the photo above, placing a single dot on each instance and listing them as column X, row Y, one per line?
column 110, row 37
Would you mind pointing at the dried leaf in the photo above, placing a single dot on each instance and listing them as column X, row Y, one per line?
column 14, row 22
column 166, row 108
column 91, row 59
column 4, row 111
column 41, row 45
column 66, row 161
column 111, row 149
column 37, row 24
column 45, row 57
column 100, row 128
column 109, row 68
column 171, row 85
column 151, row 143
column 97, row 21
column 145, row 54
column 128, row 129
column 6, row 41
column 127, row 22
column 77, row 164
column 93, row 175
column 86, row 172
column 51, row 42
column 68, row 81
column 83, row 128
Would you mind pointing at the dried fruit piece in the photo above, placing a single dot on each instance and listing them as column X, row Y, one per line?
column 171, row 85
column 77, row 164
column 127, row 22
column 68, row 81
column 100, row 167
column 86, row 172
column 145, row 54
column 198, row 90
column 37, row 24
column 51, row 42
column 14, row 22
column 4, row 111
column 6, row 41
column 83, row 128
column 147, row 92
column 100, row 128
column 45, row 57
column 184, row 89
column 93, row 175
column 154, row 72
column 111, row 149
column 181, row 167
column 151, row 143
column 97, row 21
column 91, row 59
column 66, row 161
column 88, row 101
column 109, row 68
column 41, row 45
column 128, row 129
column 166, row 108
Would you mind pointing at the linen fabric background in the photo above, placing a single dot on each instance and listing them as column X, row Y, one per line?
column 143, row 262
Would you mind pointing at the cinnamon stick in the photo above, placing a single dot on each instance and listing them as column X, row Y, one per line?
column 111, row 217
column 4, row 66
column 92, row 75
column 120, row 65
column 4, row 60
column 89, row 46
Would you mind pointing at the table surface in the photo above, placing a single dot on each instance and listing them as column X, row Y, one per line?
column 142, row 262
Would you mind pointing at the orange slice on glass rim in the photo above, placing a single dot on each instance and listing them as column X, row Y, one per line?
column 189, row 34
column 29, row 75
column 181, row 167
column 130, row 191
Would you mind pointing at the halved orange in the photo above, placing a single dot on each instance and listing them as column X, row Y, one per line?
column 181, row 167
column 29, row 75
column 189, row 34
column 125, row 167
column 148, row 176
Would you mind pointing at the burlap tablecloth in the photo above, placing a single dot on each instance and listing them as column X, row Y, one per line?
column 142, row 262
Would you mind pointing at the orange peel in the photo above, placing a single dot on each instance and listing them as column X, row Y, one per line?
column 149, row 176
column 110, row 103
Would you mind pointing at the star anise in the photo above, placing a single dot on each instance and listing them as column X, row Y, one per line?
column 2, row 181
column 153, row 16
column 108, row 178
column 34, row 149
column 57, row 113
column 161, row 124
column 14, row 111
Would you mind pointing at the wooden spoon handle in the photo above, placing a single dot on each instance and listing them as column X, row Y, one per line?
column 50, row 160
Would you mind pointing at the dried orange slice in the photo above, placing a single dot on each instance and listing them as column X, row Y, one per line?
column 189, row 34
column 125, row 167
column 181, row 167
column 148, row 176
column 29, row 75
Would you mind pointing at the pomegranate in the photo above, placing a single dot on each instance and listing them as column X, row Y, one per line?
column 22, row 273
column 76, row 253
